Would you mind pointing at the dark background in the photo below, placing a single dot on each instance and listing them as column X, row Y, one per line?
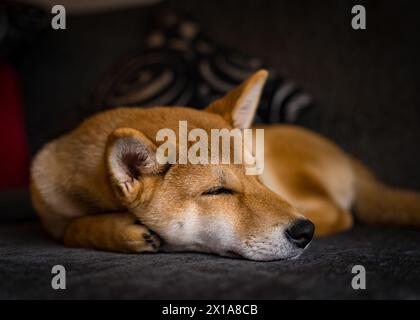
column 366, row 88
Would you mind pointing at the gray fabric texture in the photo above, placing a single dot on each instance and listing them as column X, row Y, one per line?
column 391, row 258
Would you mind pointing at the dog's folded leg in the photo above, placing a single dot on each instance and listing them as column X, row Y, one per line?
column 328, row 217
column 117, row 232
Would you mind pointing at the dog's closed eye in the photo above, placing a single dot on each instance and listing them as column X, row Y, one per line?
column 217, row 191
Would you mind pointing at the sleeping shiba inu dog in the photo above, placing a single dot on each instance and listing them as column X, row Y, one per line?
column 101, row 186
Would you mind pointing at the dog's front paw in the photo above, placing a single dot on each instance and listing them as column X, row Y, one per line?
column 137, row 238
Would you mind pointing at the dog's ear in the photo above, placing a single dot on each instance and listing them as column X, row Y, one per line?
column 130, row 158
column 238, row 107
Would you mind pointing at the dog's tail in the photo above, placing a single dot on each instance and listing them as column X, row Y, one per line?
column 378, row 203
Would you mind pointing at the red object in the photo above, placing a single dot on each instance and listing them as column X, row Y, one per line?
column 14, row 155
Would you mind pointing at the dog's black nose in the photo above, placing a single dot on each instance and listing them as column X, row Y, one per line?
column 300, row 232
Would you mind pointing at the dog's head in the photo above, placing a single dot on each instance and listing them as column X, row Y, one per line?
column 214, row 208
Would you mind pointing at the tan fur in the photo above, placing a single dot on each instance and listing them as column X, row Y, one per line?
column 324, row 183
column 312, row 173
column 112, row 231
column 379, row 203
column 86, row 194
